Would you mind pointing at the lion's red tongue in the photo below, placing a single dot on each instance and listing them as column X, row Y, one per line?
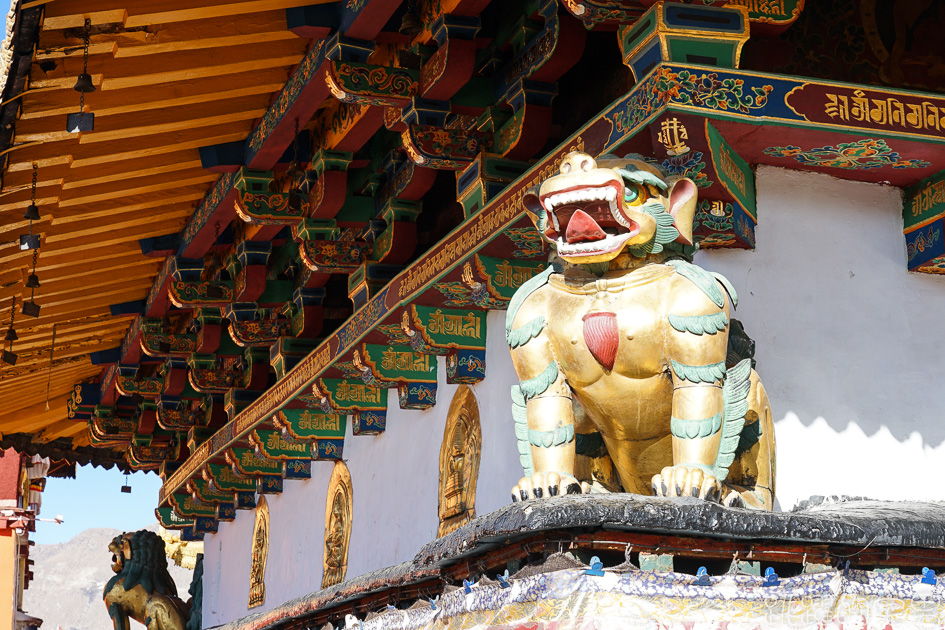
column 581, row 227
column 601, row 337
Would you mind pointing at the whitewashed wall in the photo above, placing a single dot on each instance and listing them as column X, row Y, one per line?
column 849, row 346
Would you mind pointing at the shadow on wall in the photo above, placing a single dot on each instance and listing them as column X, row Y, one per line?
column 843, row 332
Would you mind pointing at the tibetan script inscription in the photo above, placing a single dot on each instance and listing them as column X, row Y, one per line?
column 456, row 325
column 406, row 361
column 869, row 109
column 309, row 421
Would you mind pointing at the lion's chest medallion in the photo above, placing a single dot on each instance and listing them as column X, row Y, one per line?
column 602, row 337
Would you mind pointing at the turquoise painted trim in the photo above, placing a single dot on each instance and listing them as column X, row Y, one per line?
column 734, row 408
column 540, row 384
column 518, row 298
column 520, row 420
column 728, row 287
column 639, row 176
column 522, row 335
column 547, row 439
column 701, row 278
column 699, row 373
column 699, row 324
column 665, row 233
column 692, row 429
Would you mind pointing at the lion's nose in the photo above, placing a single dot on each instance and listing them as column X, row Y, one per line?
column 577, row 162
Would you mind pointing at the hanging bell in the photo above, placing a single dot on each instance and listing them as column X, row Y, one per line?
column 11, row 335
column 295, row 201
column 409, row 25
column 84, row 83
column 32, row 281
column 294, row 171
column 32, row 213
column 30, row 308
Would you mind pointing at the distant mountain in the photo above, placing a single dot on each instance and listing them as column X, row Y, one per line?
column 68, row 579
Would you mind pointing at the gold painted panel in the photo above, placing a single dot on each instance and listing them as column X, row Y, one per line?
column 257, row 573
column 338, row 511
column 459, row 461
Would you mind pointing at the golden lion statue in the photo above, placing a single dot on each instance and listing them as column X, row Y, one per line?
column 143, row 590
column 622, row 348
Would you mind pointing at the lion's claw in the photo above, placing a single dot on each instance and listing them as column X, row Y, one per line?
column 680, row 481
column 549, row 484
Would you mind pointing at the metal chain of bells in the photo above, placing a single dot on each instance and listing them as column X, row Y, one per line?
column 33, row 195
column 85, row 59
column 35, row 258
column 11, row 334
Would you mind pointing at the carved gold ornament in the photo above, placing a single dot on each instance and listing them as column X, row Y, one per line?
column 459, row 461
column 338, row 509
column 257, row 572
column 672, row 136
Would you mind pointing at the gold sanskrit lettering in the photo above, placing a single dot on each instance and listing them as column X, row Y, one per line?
column 454, row 325
column 731, row 170
column 309, row 421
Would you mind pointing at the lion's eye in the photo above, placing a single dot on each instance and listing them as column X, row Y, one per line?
column 634, row 194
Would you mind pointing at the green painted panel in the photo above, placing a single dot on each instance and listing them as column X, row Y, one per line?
column 205, row 494
column 449, row 328
column 691, row 50
column 168, row 519
column 225, row 479
column 504, row 277
column 273, row 446
column 306, row 424
column 246, row 461
column 733, row 172
column 187, row 507
column 400, row 364
column 924, row 201
column 353, row 395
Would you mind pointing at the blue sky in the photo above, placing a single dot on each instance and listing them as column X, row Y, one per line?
column 94, row 499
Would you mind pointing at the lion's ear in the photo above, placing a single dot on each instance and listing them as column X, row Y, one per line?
column 536, row 212
column 682, row 205
column 126, row 548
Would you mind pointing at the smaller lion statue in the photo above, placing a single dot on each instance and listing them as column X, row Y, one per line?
column 142, row 588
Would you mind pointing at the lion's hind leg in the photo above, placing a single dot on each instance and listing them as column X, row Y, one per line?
column 164, row 615
column 752, row 474
column 119, row 618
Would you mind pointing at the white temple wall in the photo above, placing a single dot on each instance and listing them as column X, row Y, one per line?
column 849, row 346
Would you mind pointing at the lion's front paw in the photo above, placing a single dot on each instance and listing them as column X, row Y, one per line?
column 687, row 481
column 548, row 484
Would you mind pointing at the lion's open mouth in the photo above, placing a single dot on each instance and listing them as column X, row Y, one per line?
column 586, row 220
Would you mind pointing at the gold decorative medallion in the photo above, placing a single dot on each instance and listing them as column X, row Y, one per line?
column 338, row 508
column 257, row 574
column 459, row 461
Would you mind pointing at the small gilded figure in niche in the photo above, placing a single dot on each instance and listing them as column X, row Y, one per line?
column 257, row 573
column 338, row 510
column 459, row 461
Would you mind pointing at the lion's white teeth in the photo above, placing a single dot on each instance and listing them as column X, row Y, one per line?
column 589, row 247
column 596, row 193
